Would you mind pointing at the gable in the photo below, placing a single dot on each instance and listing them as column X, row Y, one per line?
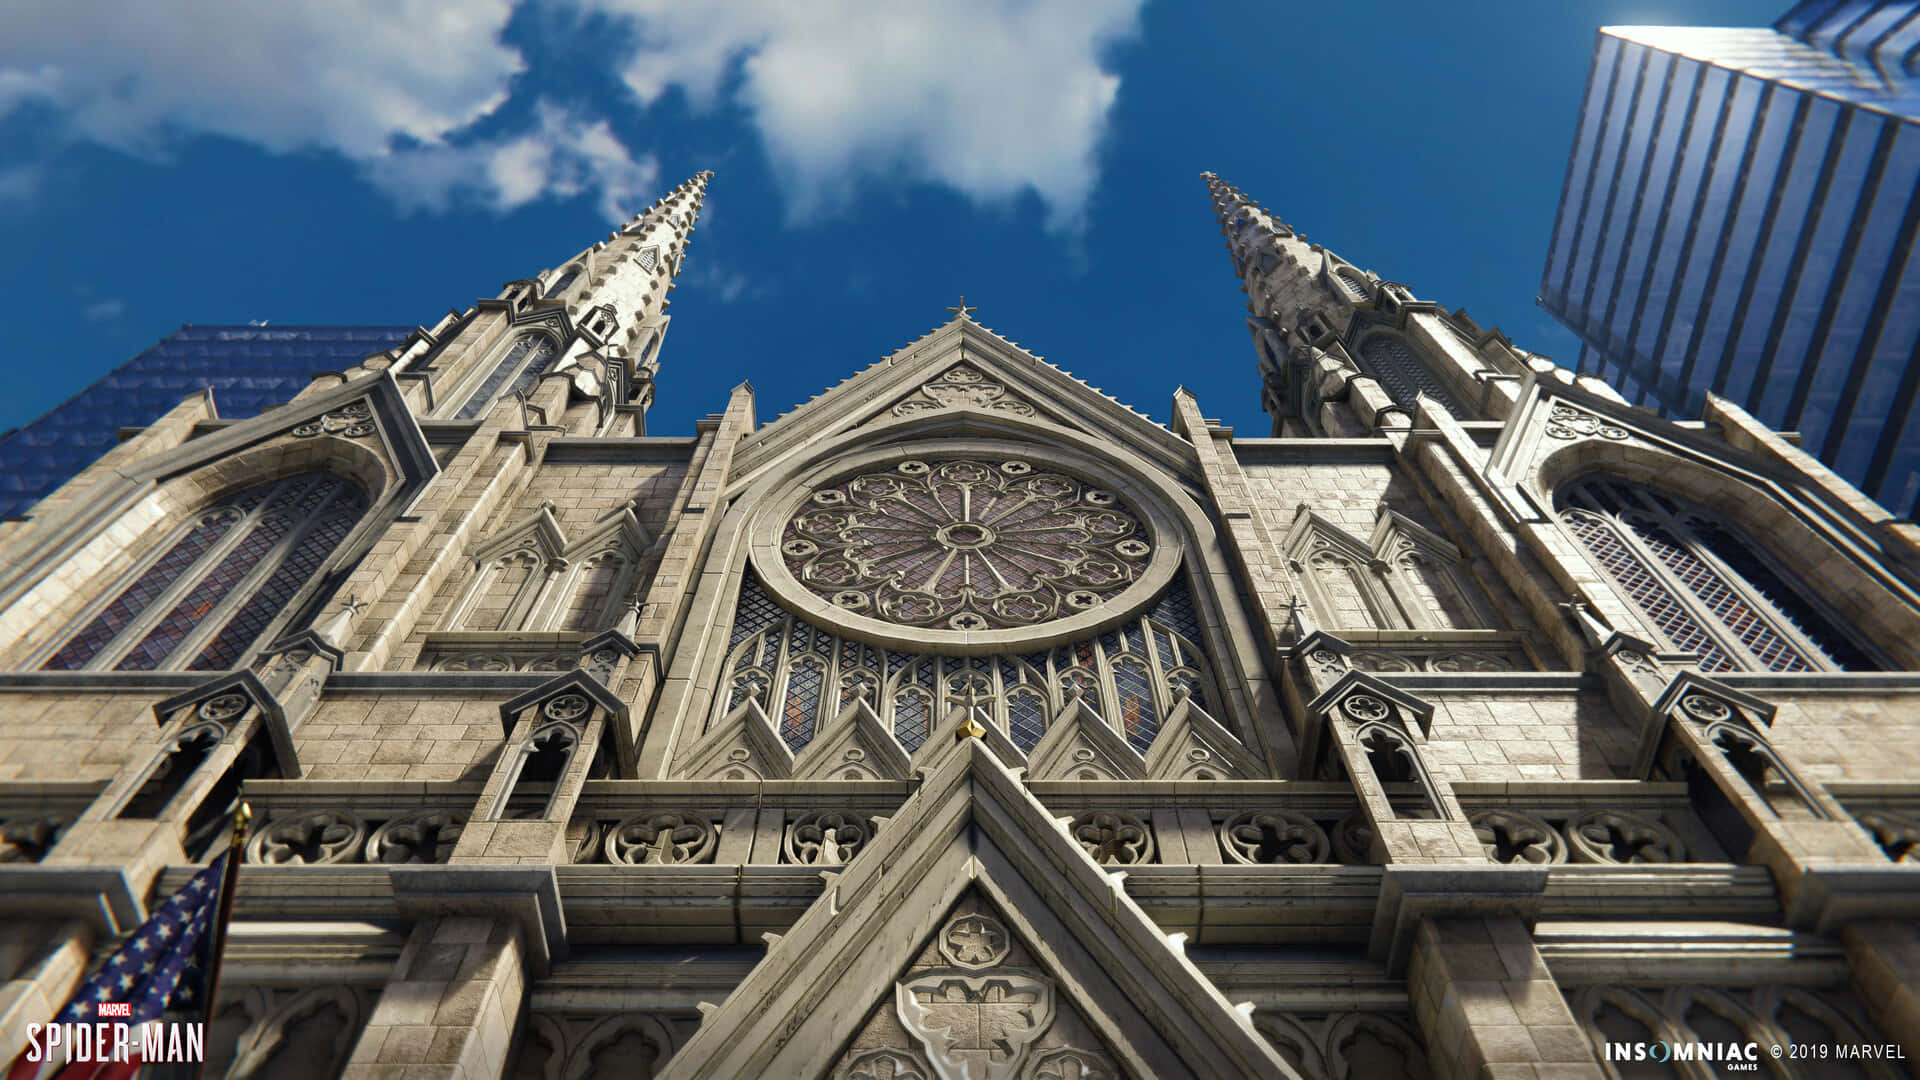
column 976, row 1001
column 960, row 371
column 972, row 840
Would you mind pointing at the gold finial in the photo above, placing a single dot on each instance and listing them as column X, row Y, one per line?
column 241, row 819
column 962, row 309
column 969, row 729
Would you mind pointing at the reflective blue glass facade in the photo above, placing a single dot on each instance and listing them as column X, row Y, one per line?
column 247, row 367
column 1739, row 217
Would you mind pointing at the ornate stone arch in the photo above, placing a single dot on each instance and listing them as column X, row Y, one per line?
column 1396, row 364
column 1337, row 570
column 1190, row 553
column 260, row 1045
column 1588, row 1003
column 1684, row 1001
column 657, row 1036
column 64, row 564
column 518, row 360
column 1833, row 556
column 1703, row 579
column 208, row 583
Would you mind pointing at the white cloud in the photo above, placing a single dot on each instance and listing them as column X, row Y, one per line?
column 104, row 310
column 1005, row 97
column 19, row 183
column 347, row 75
column 991, row 99
column 722, row 283
column 561, row 156
column 358, row 77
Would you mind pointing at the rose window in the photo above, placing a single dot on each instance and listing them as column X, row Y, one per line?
column 965, row 545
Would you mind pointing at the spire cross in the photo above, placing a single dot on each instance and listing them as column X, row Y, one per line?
column 963, row 310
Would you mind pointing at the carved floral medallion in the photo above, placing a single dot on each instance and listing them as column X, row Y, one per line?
column 964, row 544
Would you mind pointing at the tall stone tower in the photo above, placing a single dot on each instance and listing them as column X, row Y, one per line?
column 964, row 722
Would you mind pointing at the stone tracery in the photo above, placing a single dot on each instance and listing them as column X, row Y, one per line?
column 964, row 544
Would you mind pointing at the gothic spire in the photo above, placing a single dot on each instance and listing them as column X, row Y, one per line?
column 631, row 272
column 1247, row 225
column 1341, row 351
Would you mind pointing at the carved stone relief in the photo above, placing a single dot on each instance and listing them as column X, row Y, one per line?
column 1616, row 836
column 662, row 838
column 625, row 1046
column 323, row 837
column 272, row 1033
column 1112, row 838
column 1897, row 834
column 1274, row 836
column 974, row 1005
column 826, row 837
column 1568, row 422
column 1768, row 1015
column 352, row 421
column 424, row 837
column 1513, row 837
column 962, row 387
column 1347, row 1046
column 27, row 839
column 498, row 661
column 965, row 545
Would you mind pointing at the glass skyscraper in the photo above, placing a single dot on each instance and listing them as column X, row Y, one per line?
column 1739, row 217
column 247, row 367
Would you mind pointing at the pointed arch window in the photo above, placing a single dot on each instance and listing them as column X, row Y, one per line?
column 1402, row 374
column 1703, row 583
column 1132, row 676
column 1404, row 578
column 207, row 593
column 561, row 283
column 529, row 578
column 522, row 364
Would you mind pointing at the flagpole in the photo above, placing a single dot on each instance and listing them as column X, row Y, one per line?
column 236, row 851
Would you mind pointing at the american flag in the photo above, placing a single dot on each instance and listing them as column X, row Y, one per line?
column 161, row 968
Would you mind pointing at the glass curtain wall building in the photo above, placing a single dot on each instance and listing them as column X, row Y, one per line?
column 248, row 368
column 1739, row 217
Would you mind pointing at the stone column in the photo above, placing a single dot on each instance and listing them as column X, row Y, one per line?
column 1488, row 1007
column 45, row 963
column 1885, row 958
column 450, row 1008
column 492, row 837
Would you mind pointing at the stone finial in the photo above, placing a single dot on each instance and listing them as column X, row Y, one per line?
column 334, row 630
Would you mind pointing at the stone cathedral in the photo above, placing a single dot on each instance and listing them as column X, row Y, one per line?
column 964, row 723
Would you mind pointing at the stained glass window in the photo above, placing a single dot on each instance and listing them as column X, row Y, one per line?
column 1130, row 676
column 1402, row 374
column 524, row 362
column 965, row 545
column 1707, row 587
column 561, row 283
column 212, row 591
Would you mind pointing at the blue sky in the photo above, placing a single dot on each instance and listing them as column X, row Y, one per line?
column 374, row 162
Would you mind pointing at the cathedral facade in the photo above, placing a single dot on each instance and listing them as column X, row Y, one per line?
column 965, row 723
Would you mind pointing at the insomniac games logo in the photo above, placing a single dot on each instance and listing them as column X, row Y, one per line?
column 1734, row 1057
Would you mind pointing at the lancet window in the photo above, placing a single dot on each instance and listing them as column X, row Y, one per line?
column 208, row 592
column 1703, row 583
column 521, row 365
column 1131, row 676
column 560, row 284
column 1405, row 577
column 1401, row 374
column 530, row 580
